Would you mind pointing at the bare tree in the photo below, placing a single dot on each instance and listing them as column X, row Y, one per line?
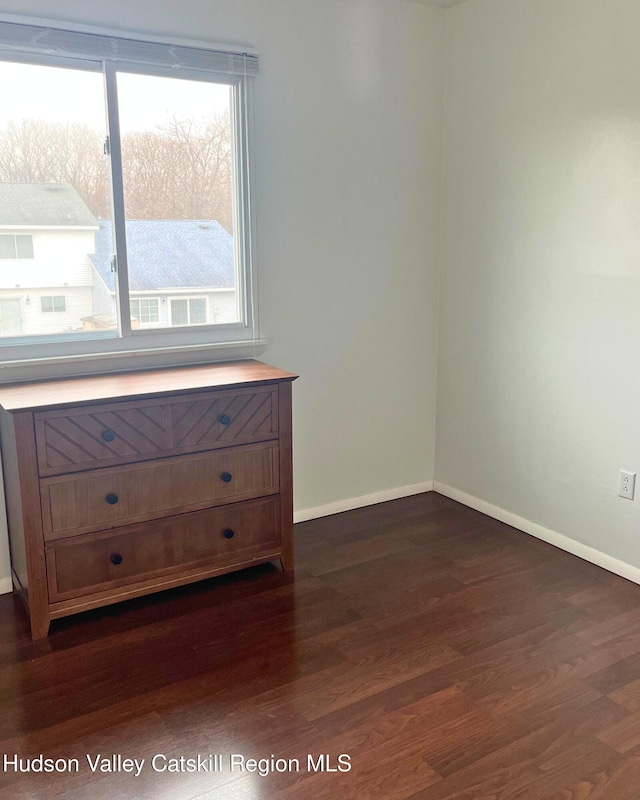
column 179, row 171
column 37, row 151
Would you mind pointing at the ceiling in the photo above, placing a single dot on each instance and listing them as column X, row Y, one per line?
column 440, row 3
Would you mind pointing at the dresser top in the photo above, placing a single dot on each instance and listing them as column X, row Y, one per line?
column 37, row 395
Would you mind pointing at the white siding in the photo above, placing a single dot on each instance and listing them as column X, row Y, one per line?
column 103, row 302
column 35, row 322
column 222, row 306
column 60, row 258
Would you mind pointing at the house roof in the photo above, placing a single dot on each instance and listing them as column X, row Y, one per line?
column 38, row 204
column 169, row 253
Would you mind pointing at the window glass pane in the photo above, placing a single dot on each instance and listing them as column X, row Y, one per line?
column 54, row 178
column 179, row 312
column 197, row 311
column 177, row 177
column 24, row 246
column 50, row 304
column 7, row 246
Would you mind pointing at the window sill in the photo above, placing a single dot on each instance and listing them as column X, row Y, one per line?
column 123, row 361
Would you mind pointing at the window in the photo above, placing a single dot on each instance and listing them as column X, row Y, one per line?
column 146, row 310
column 150, row 195
column 56, row 302
column 16, row 246
column 189, row 311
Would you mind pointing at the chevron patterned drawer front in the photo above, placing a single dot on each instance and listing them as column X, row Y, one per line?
column 222, row 418
column 78, row 439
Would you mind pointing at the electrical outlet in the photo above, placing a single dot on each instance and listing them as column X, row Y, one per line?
column 627, row 484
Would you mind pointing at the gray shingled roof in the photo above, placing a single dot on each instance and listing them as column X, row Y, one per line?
column 55, row 204
column 169, row 253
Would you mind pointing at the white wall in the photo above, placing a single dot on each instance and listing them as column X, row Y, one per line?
column 348, row 118
column 538, row 393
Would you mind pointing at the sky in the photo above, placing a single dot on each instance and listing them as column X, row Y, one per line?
column 55, row 94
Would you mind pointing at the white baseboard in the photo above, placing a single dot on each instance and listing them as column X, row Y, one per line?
column 6, row 586
column 559, row 540
column 362, row 501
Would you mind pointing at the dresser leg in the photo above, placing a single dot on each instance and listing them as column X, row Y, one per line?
column 286, row 559
column 39, row 618
column 40, row 626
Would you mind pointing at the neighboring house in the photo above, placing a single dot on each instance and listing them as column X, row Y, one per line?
column 55, row 266
column 181, row 272
column 46, row 278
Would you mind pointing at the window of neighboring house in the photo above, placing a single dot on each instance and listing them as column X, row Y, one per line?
column 16, row 246
column 146, row 310
column 189, row 311
column 56, row 302
column 152, row 194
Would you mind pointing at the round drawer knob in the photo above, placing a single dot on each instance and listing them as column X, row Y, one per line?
column 226, row 477
column 112, row 499
column 116, row 559
column 228, row 533
column 108, row 436
column 224, row 419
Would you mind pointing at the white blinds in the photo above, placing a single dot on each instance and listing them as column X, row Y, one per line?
column 55, row 41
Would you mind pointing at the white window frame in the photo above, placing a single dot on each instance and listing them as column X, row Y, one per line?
column 53, row 298
column 33, row 356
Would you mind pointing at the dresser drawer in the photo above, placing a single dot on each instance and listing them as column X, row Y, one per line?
column 219, row 419
column 79, row 439
column 106, row 498
column 226, row 536
column 76, row 439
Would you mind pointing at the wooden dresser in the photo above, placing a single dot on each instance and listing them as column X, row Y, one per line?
column 122, row 485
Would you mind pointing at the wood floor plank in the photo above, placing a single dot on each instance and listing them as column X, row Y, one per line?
column 480, row 742
column 606, row 600
column 616, row 675
column 618, row 782
column 628, row 696
column 623, row 735
column 626, row 624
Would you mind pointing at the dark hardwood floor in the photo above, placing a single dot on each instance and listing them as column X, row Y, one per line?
column 447, row 654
